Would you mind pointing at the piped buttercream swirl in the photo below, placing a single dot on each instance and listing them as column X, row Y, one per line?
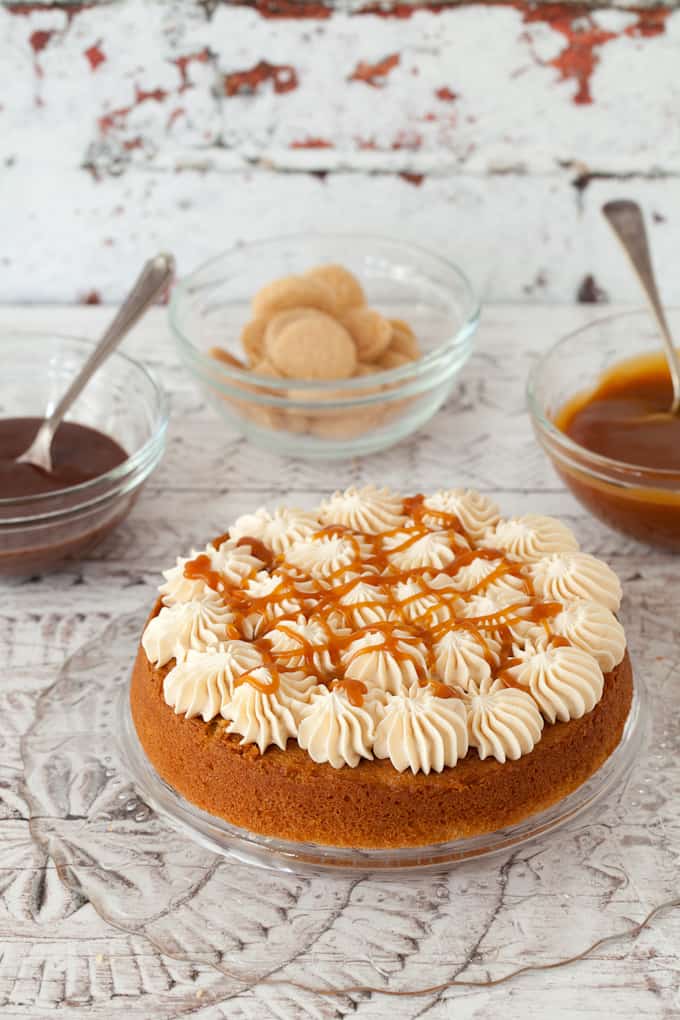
column 476, row 512
column 270, row 598
column 414, row 548
column 364, row 603
column 566, row 576
column 233, row 563
column 464, row 659
column 263, row 718
column 488, row 577
column 202, row 683
column 503, row 723
column 332, row 729
column 565, row 682
column 421, row 732
column 302, row 643
column 328, row 556
column 418, row 605
column 531, row 537
column 593, row 628
column 187, row 626
column 277, row 530
column 369, row 509
column 391, row 660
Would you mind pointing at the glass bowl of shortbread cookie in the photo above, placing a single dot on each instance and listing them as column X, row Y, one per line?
column 325, row 345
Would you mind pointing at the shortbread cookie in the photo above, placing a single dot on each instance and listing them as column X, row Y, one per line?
column 393, row 359
column 219, row 354
column 283, row 319
column 366, row 368
column 252, row 339
column 404, row 340
column 315, row 347
column 346, row 288
column 293, row 292
column 370, row 330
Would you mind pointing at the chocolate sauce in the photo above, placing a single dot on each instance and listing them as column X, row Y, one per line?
column 66, row 529
column 79, row 453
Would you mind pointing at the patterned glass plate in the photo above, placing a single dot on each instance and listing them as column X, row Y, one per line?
column 266, row 851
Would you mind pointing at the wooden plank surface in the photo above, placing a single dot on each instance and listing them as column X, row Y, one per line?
column 103, row 914
column 489, row 131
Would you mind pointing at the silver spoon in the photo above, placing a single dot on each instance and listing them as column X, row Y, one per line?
column 626, row 220
column 154, row 277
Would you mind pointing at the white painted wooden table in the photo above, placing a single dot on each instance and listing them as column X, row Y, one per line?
column 128, row 917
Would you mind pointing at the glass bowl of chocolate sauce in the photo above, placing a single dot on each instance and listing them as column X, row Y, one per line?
column 598, row 401
column 112, row 440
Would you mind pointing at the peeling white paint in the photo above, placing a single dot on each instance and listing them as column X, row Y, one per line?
column 102, row 161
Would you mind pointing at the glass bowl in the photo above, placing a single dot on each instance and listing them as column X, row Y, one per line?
column 338, row 418
column 38, row 532
column 637, row 501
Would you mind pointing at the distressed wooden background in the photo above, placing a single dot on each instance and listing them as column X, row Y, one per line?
column 492, row 132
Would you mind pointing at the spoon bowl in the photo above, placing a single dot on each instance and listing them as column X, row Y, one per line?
column 152, row 281
column 626, row 220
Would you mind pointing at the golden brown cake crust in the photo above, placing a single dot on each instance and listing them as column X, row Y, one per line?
column 287, row 794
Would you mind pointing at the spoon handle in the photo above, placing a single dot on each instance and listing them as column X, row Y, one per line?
column 153, row 279
column 626, row 220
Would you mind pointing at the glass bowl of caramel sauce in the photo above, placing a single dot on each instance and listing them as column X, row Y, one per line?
column 112, row 439
column 598, row 401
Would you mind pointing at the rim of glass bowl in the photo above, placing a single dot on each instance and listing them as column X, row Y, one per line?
column 565, row 445
column 141, row 461
column 430, row 362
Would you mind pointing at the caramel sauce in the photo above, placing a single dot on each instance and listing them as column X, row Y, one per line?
column 263, row 686
column 354, row 689
column 201, row 569
column 443, row 690
column 258, row 549
column 509, row 681
column 625, row 419
column 220, row 540
column 411, row 640
column 557, row 641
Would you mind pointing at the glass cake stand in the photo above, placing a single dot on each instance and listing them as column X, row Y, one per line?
column 265, row 851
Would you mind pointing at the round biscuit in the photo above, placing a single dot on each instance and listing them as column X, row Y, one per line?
column 371, row 332
column 252, row 339
column 219, row 354
column 283, row 319
column 366, row 368
column 314, row 347
column 393, row 359
column 293, row 292
column 404, row 339
column 346, row 289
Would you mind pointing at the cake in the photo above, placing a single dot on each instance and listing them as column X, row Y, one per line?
column 383, row 671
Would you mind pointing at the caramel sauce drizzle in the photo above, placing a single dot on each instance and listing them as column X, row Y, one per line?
column 201, row 569
column 258, row 549
column 263, row 686
column 355, row 690
column 369, row 564
column 443, row 690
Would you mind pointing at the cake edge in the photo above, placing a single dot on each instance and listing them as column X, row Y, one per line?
column 287, row 795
